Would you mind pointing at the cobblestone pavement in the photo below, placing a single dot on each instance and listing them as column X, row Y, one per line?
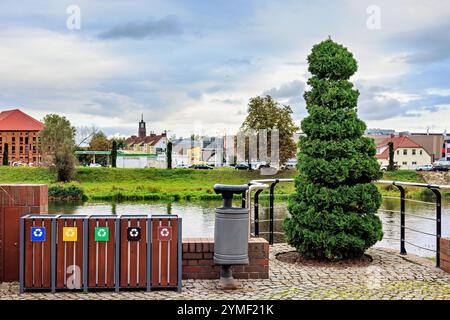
column 389, row 276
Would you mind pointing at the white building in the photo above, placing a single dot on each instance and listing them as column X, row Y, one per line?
column 408, row 154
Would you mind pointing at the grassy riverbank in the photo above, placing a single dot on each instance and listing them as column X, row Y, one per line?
column 160, row 184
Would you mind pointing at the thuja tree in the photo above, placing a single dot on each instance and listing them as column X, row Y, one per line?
column 333, row 208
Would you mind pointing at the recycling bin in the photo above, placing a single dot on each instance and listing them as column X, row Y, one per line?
column 165, row 252
column 134, row 251
column 71, row 252
column 230, row 228
column 37, row 252
column 103, row 239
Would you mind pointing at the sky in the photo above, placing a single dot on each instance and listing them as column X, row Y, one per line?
column 191, row 66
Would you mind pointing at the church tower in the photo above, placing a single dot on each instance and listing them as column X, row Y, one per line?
column 142, row 133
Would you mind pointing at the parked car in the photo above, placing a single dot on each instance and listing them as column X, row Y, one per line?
column 427, row 167
column 440, row 168
column 95, row 165
column 182, row 166
column 242, row 166
column 201, row 166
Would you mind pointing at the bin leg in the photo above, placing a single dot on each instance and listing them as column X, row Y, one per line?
column 227, row 282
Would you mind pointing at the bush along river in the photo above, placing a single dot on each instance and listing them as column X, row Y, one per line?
column 198, row 218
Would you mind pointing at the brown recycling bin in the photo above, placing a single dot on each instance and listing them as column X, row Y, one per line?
column 36, row 249
column 166, row 252
column 102, row 252
column 133, row 251
column 71, row 251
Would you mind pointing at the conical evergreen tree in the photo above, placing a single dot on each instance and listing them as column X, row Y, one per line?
column 333, row 212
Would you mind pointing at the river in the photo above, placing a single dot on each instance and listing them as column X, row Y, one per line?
column 198, row 218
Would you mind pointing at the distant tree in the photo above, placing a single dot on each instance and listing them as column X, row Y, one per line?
column 5, row 155
column 169, row 155
column 114, row 154
column 100, row 142
column 65, row 162
column 333, row 211
column 266, row 113
column 391, row 166
column 121, row 143
column 84, row 135
column 58, row 144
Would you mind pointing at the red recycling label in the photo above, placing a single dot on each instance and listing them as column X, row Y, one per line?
column 164, row 233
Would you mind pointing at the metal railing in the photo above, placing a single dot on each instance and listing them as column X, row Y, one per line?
column 270, row 184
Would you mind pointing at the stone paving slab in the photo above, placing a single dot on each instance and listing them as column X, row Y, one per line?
column 389, row 276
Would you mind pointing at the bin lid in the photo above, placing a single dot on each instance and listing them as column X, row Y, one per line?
column 221, row 188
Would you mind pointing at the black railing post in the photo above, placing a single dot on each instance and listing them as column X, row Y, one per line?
column 402, row 218
column 438, row 225
column 271, row 208
column 257, row 212
column 244, row 200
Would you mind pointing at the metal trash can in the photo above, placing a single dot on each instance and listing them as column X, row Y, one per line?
column 165, row 252
column 71, row 251
column 103, row 247
column 37, row 252
column 134, row 247
column 230, row 234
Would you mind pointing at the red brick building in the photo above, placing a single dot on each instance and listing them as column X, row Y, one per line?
column 21, row 133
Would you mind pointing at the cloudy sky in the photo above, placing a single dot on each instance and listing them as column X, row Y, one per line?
column 192, row 65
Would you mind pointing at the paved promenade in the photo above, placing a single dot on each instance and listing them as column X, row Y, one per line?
column 389, row 276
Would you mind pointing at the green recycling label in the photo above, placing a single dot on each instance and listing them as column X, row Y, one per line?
column 102, row 234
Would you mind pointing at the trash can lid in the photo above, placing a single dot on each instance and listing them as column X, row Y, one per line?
column 226, row 188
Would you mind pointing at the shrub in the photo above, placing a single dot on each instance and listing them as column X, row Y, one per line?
column 70, row 192
column 333, row 209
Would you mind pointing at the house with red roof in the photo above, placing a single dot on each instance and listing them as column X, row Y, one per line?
column 408, row 154
column 19, row 137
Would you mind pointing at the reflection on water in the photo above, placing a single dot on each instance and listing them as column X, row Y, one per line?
column 198, row 218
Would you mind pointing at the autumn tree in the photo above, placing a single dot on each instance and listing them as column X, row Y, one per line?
column 266, row 113
column 333, row 211
column 100, row 142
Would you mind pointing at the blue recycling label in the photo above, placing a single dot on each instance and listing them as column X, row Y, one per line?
column 37, row 234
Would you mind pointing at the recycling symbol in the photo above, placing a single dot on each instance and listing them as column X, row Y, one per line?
column 37, row 233
column 101, row 233
column 134, row 233
column 164, row 232
column 70, row 233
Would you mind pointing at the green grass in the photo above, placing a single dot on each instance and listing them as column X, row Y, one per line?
column 143, row 184
column 162, row 184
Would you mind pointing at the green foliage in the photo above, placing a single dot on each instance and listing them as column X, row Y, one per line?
column 169, row 155
column 114, row 154
column 99, row 142
column 58, row 143
column 333, row 209
column 5, row 155
column 66, row 192
column 266, row 113
column 391, row 166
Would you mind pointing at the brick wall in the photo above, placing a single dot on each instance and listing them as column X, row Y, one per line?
column 445, row 254
column 198, row 260
column 15, row 202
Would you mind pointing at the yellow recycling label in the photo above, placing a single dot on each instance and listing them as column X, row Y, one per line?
column 70, row 234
